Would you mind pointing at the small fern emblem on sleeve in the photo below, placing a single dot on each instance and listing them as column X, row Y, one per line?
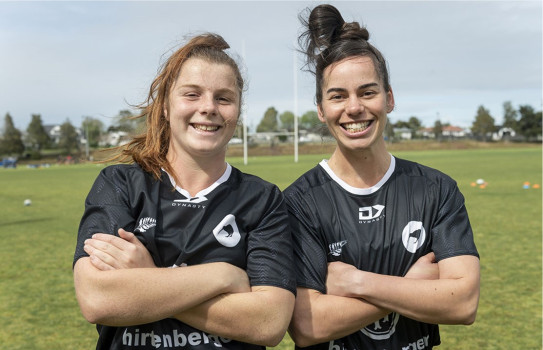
column 145, row 223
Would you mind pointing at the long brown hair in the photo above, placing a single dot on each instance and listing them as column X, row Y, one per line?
column 149, row 149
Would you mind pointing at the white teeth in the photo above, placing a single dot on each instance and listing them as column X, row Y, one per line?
column 206, row 127
column 356, row 127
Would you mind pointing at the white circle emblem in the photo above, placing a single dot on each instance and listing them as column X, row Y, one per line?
column 413, row 236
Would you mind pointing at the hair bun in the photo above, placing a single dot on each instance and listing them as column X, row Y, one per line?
column 325, row 27
column 352, row 31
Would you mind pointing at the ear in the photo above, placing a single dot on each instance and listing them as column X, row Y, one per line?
column 165, row 111
column 390, row 101
column 320, row 113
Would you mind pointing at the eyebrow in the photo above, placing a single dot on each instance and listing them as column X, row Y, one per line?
column 361, row 87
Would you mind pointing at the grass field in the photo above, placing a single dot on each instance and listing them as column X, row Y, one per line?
column 38, row 309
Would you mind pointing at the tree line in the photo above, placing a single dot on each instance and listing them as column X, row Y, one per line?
column 525, row 121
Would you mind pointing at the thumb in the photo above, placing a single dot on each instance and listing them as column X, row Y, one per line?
column 128, row 236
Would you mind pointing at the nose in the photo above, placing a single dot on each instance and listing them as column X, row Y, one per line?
column 353, row 106
column 208, row 105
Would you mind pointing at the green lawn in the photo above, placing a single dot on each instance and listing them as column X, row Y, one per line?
column 37, row 304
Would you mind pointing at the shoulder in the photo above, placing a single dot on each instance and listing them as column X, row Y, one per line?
column 252, row 185
column 315, row 177
column 416, row 170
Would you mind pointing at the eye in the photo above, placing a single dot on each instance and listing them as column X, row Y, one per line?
column 369, row 93
column 336, row 97
column 191, row 95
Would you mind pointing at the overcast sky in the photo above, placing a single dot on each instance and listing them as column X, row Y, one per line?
column 70, row 59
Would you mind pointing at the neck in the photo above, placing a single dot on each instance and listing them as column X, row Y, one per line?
column 196, row 174
column 360, row 168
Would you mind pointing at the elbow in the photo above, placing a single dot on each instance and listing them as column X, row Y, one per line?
column 92, row 310
column 466, row 313
column 303, row 332
column 469, row 315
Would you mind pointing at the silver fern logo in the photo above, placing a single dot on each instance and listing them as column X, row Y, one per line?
column 335, row 248
column 145, row 223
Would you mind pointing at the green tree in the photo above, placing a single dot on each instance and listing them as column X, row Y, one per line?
column 287, row 120
column 68, row 141
column 128, row 122
column 92, row 129
column 483, row 125
column 401, row 124
column 510, row 116
column 269, row 121
column 310, row 121
column 438, row 130
column 389, row 130
column 11, row 142
column 529, row 123
column 36, row 136
column 414, row 124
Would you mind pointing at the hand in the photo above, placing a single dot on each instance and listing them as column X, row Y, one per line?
column 109, row 252
column 340, row 278
column 425, row 268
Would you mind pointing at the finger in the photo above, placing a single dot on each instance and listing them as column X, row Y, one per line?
column 117, row 242
column 104, row 246
column 100, row 264
column 129, row 236
column 98, row 258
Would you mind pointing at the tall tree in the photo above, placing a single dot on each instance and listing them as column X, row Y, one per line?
column 529, row 123
column 510, row 116
column 127, row 121
column 414, row 124
column 11, row 142
column 484, row 124
column 36, row 136
column 310, row 121
column 287, row 120
column 438, row 130
column 269, row 121
column 92, row 128
column 68, row 141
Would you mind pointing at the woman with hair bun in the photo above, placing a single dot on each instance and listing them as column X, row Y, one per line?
column 179, row 249
column 383, row 247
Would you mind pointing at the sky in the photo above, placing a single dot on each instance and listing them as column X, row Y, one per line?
column 67, row 60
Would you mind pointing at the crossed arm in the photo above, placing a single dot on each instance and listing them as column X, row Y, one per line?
column 118, row 285
column 445, row 292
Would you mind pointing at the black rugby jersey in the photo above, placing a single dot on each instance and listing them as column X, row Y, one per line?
column 383, row 229
column 241, row 219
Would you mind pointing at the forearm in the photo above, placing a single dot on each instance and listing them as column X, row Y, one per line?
column 142, row 295
column 322, row 317
column 257, row 317
column 451, row 299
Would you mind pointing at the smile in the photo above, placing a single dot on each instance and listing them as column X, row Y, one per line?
column 356, row 127
column 205, row 127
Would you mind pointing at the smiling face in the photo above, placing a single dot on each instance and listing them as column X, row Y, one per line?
column 354, row 104
column 203, row 108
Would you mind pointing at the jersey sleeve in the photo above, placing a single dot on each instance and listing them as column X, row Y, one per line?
column 452, row 233
column 269, row 248
column 107, row 208
column 310, row 249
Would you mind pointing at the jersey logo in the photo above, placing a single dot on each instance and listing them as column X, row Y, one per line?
column 413, row 236
column 335, row 248
column 383, row 328
column 227, row 232
column 370, row 214
column 145, row 223
column 192, row 200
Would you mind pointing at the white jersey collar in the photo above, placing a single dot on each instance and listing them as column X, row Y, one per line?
column 356, row 190
column 205, row 191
